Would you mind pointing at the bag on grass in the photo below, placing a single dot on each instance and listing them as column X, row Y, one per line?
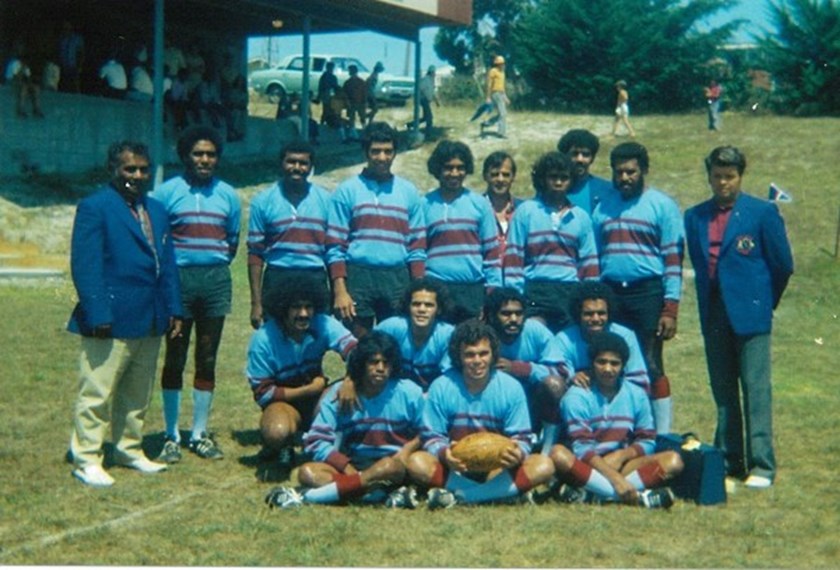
column 703, row 478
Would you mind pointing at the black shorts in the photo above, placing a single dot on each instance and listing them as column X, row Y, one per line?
column 377, row 291
column 552, row 301
column 205, row 291
column 466, row 300
column 638, row 304
column 274, row 277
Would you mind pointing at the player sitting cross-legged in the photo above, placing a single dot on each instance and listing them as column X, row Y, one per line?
column 474, row 396
column 362, row 452
column 612, row 435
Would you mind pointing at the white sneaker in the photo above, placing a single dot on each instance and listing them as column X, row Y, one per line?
column 93, row 475
column 145, row 465
column 731, row 484
column 758, row 482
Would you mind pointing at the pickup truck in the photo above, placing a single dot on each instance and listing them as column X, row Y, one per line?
column 287, row 78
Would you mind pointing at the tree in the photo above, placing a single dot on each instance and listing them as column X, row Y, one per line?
column 493, row 23
column 804, row 56
column 573, row 51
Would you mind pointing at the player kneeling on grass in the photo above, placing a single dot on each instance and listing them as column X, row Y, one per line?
column 284, row 362
column 473, row 397
column 612, row 434
column 363, row 452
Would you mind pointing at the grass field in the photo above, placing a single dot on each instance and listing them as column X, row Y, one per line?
column 202, row 513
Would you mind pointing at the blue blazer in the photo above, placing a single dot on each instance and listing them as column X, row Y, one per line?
column 114, row 269
column 754, row 266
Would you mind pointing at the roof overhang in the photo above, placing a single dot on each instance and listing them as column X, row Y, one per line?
column 227, row 18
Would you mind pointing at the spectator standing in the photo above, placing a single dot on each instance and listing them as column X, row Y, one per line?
column 622, row 108
column 123, row 266
column 19, row 76
column 712, row 92
column 428, row 95
column 742, row 261
column 356, row 92
column 71, row 58
column 495, row 94
column 371, row 83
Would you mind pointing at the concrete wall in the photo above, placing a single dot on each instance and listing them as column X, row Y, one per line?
column 75, row 133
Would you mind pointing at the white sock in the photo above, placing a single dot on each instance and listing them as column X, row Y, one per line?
column 456, row 482
column 600, row 485
column 202, row 400
column 322, row 495
column 549, row 434
column 662, row 414
column 499, row 487
column 171, row 411
column 636, row 481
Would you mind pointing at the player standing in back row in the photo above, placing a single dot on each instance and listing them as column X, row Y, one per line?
column 204, row 214
column 639, row 232
column 376, row 236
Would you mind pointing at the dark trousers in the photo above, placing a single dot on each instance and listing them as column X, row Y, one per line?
column 740, row 365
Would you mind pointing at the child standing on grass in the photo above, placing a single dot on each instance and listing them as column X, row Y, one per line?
column 622, row 108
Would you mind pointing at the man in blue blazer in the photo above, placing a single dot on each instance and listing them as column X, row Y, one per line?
column 123, row 266
column 742, row 262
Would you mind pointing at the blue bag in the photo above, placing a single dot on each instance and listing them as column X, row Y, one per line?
column 703, row 479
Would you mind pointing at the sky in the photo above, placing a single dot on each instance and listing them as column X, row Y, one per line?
column 371, row 47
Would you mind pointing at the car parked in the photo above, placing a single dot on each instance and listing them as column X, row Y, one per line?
column 286, row 79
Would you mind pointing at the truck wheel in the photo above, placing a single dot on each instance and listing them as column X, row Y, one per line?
column 274, row 93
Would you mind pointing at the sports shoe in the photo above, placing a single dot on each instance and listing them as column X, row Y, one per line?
column 94, row 476
column 661, row 498
column 569, row 494
column 731, row 485
column 206, row 448
column 440, row 499
column 758, row 482
column 284, row 498
column 403, row 498
column 144, row 465
column 171, row 452
column 529, row 497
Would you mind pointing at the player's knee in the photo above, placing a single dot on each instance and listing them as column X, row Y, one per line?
column 672, row 463
column 276, row 434
column 538, row 468
column 421, row 466
column 392, row 469
column 562, row 458
column 308, row 476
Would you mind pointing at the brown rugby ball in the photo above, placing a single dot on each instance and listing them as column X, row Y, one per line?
column 482, row 451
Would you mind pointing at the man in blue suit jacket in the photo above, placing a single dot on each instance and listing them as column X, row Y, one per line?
column 742, row 261
column 123, row 267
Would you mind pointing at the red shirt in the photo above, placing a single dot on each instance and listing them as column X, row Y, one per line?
column 717, row 227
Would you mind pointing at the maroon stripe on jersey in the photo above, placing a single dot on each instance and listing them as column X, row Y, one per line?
column 380, row 223
column 209, row 231
column 631, row 236
column 453, row 237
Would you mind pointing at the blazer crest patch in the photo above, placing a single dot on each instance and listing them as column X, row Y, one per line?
column 744, row 244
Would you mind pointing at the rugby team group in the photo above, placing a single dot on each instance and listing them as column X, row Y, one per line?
column 456, row 312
